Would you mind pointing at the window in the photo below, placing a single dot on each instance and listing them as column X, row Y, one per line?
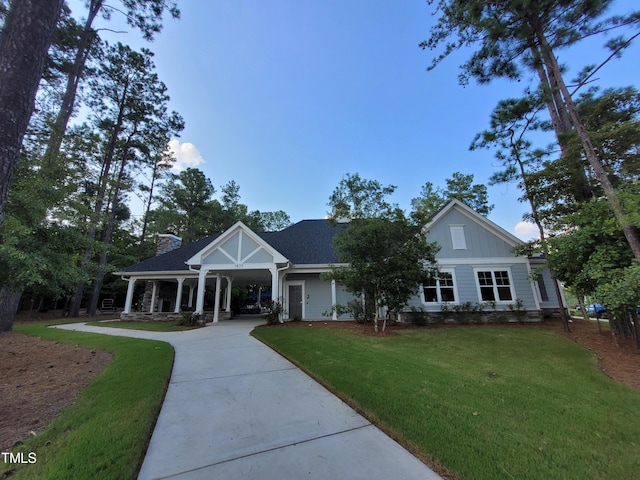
column 544, row 296
column 457, row 237
column 439, row 289
column 495, row 286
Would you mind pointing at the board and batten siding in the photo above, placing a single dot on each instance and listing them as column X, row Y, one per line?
column 480, row 242
column 469, row 244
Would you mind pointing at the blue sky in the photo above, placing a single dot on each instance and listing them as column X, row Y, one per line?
column 287, row 96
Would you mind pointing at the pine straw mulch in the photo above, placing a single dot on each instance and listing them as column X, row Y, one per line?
column 38, row 379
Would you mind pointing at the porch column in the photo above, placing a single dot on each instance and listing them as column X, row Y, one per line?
column 216, row 304
column 202, row 279
column 154, row 297
column 190, row 302
column 274, row 284
column 179, row 296
column 275, row 289
column 334, row 315
column 129, row 300
column 228, row 300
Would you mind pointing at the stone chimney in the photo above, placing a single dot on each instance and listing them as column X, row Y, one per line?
column 167, row 242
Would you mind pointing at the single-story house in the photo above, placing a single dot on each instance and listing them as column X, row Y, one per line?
column 476, row 264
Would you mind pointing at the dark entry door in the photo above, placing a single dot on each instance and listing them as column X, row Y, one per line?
column 295, row 301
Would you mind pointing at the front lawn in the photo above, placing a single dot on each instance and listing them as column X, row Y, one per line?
column 106, row 432
column 480, row 402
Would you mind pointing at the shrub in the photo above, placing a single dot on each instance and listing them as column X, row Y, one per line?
column 518, row 309
column 273, row 312
column 418, row 316
column 188, row 319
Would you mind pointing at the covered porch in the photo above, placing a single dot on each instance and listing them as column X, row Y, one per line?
column 204, row 285
column 208, row 294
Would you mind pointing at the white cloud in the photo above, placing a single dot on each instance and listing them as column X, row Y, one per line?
column 526, row 231
column 187, row 155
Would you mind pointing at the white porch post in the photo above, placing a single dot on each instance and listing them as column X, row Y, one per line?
column 129, row 300
column 179, row 295
column 334, row 315
column 216, row 305
column 228, row 300
column 190, row 302
column 154, row 297
column 202, row 279
column 274, row 284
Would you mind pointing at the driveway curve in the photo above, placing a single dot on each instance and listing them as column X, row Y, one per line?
column 235, row 409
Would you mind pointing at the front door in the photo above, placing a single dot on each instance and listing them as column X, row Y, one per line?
column 295, row 302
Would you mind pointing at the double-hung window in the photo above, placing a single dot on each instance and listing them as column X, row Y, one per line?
column 439, row 289
column 494, row 285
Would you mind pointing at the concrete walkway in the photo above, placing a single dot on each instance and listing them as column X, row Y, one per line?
column 236, row 409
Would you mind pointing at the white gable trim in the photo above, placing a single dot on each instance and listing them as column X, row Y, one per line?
column 236, row 258
column 469, row 212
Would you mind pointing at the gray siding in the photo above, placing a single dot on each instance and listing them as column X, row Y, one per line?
column 524, row 286
column 552, row 301
column 318, row 298
column 467, row 288
column 317, row 293
column 481, row 243
column 343, row 298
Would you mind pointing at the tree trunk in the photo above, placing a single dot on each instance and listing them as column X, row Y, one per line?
column 24, row 41
column 147, row 209
column 99, row 278
column 543, row 241
column 9, row 302
column 636, row 326
column 561, row 122
column 102, row 188
column 629, row 231
column 59, row 127
column 375, row 312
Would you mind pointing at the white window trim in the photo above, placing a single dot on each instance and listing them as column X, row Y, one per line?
column 494, row 269
column 452, row 271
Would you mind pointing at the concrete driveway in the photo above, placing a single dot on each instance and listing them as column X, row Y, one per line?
column 236, row 409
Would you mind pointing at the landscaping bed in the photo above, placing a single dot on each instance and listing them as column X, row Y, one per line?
column 38, row 379
column 104, row 430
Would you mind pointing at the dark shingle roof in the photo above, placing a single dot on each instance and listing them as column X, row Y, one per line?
column 305, row 243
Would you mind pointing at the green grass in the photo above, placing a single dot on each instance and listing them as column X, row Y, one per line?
column 106, row 432
column 148, row 326
column 484, row 403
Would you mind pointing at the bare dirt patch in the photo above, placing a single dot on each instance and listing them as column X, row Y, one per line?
column 38, row 379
